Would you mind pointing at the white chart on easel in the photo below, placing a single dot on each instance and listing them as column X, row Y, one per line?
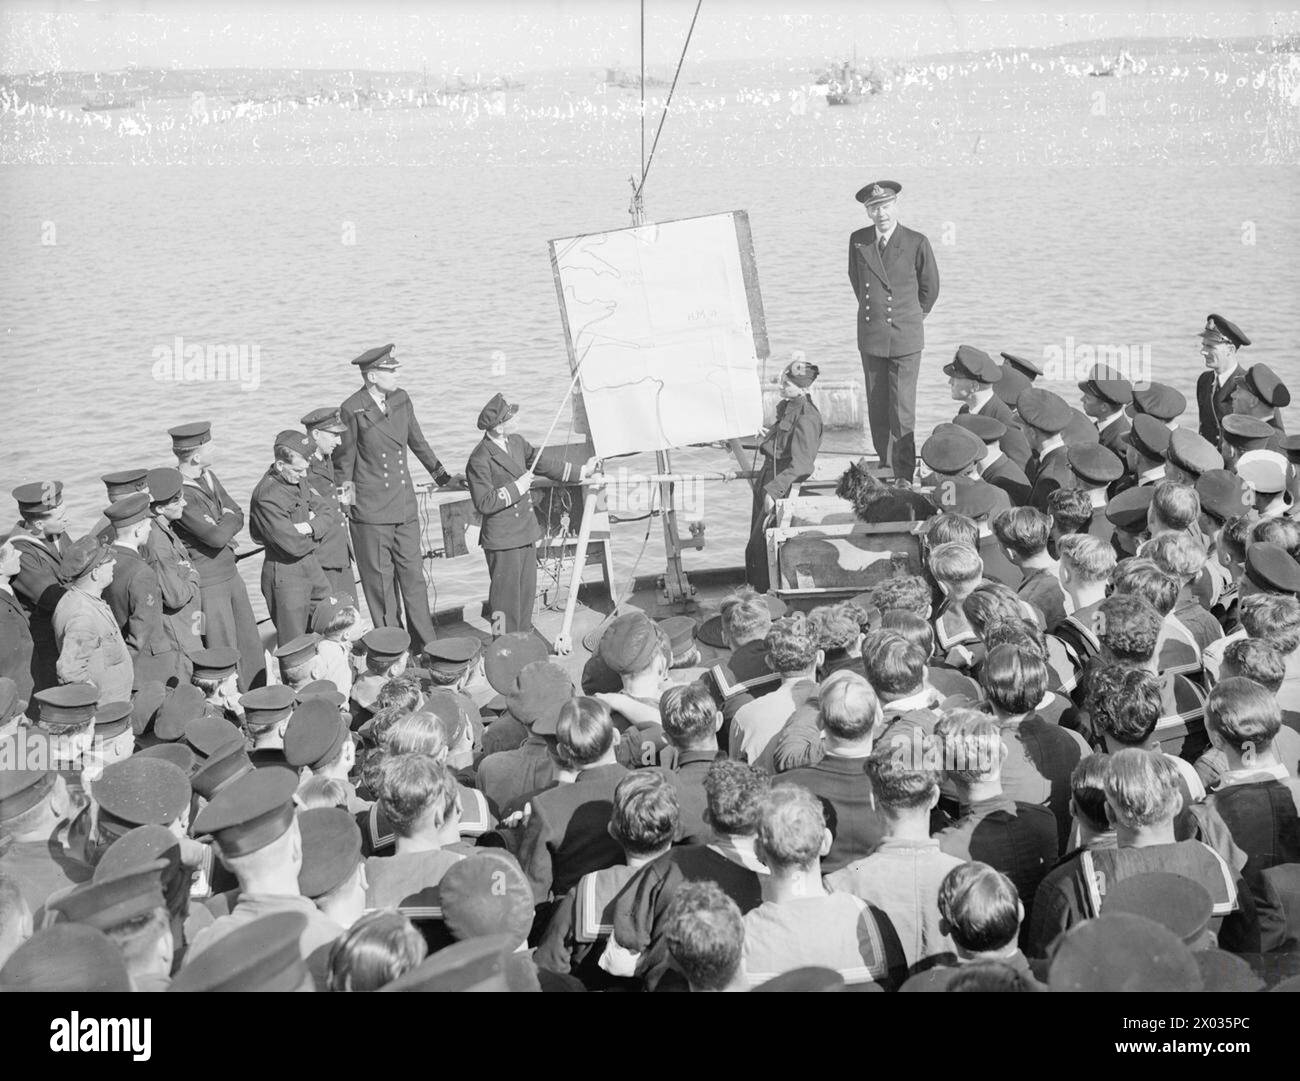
column 667, row 323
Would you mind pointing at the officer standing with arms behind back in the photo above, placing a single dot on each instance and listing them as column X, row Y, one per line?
column 381, row 428
column 896, row 283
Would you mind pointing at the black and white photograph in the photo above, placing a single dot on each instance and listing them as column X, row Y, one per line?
column 650, row 495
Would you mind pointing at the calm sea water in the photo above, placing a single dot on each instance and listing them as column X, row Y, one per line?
column 1061, row 221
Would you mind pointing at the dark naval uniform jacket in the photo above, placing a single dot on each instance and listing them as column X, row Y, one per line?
column 178, row 584
column 135, row 599
column 208, row 526
column 1051, row 472
column 491, row 472
column 373, row 456
column 1010, row 477
column 1110, row 436
column 790, row 448
column 15, row 644
column 894, row 293
column 1214, row 401
column 38, row 589
column 329, row 528
column 275, row 507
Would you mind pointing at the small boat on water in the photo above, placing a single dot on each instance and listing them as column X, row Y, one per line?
column 848, row 83
column 103, row 102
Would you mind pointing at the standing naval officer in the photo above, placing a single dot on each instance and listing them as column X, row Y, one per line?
column 280, row 517
column 381, row 428
column 325, row 429
column 896, row 282
column 499, row 473
column 41, row 538
column 1220, row 341
column 789, row 452
column 208, row 525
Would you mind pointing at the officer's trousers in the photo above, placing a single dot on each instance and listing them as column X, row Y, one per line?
column 228, row 621
column 389, row 561
column 891, row 409
column 292, row 590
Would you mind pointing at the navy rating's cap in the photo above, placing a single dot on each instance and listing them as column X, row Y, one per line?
column 260, row 956
column 66, row 957
column 267, row 706
column 1224, row 971
column 1128, row 510
column 972, row 363
column 298, row 650
column 138, row 849
column 178, row 754
column 145, row 703
column 1263, row 382
column 1271, row 568
column 380, row 357
column 1159, row 400
column 142, row 791
column 110, row 902
column 506, row 657
column 189, row 436
column 952, row 450
column 630, row 642
column 477, row 964
column 681, row 633
column 331, row 850
column 1222, row 494
column 20, row 789
column 215, row 662
column 386, row 643
column 1149, row 437
column 129, row 509
column 985, row 429
column 222, row 768
column 1021, row 363
column 181, row 705
column 451, row 656
column 38, row 497
column 1108, row 385
column 1219, row 329
column 1013, row 383
column 325, row 613
column 69, row 705
column 112, row 719
column 1191, row 453
column 208, row 735
column 878, row 191
column 487, row 894
column 1043, row 410
column 1176, row 902
column 164, row 484
column 314, row 734
column 540, row 691
column 1246, row 433
column 124, row 482
column 1122, row 952
column 251, row 813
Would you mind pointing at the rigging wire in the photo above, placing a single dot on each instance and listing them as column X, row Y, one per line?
column 645, row 169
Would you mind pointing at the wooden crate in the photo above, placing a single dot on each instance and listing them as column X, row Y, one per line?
column 830, row 562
